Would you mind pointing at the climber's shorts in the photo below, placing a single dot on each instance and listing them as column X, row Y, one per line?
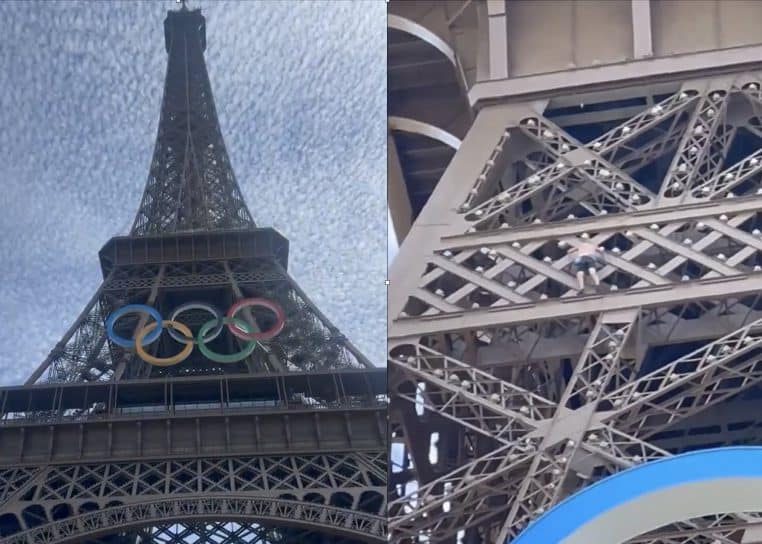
column 586, row 262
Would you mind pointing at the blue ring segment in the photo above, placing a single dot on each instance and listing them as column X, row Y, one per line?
column 561, row 521
column 133, row 308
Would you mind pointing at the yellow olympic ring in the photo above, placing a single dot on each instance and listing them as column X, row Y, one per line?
column 167, row 361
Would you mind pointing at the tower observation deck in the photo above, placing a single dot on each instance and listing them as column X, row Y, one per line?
column 200, row 396
column 530, row 143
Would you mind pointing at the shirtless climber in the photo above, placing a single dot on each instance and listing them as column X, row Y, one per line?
column 588, row 258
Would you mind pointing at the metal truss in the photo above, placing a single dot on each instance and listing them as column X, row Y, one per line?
column 581, row 162
column 342, row 493
column 361, row 527
column 191, row 185
column 525, row 275
column 85, row 353
column 129, row 279
column 574, row 442
column 542, row 387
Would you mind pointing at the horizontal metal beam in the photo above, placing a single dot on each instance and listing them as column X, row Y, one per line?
column 574, row 306
column 219, row 245
column 621, row 221
column 705, row 64
column 248, row 432
column 126, row 283
column 368, row 379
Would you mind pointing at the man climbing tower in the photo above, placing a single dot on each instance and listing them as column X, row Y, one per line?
column 589, row 257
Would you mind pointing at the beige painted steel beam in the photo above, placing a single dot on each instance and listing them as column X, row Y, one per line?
column 498, row 39
column 642, row 42
column 605, row 223
column 638, row 72
column 584, row 305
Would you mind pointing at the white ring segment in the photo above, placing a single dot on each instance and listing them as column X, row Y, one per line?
column 198, row 306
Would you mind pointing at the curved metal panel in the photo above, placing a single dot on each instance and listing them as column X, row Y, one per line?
column 406, row 124
column 419, row 31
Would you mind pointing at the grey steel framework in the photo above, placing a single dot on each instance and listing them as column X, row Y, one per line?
column 527, row 387
column 287, row 446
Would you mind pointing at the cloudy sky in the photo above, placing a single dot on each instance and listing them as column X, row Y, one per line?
column 300, row 92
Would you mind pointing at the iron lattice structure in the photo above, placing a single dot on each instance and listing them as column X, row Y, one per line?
column 191, row 185
column 288, row 445
column 534, row 388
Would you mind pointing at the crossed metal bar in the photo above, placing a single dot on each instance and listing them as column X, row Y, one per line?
column 605, row 433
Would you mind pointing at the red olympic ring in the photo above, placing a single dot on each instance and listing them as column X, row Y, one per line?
column 280, row 319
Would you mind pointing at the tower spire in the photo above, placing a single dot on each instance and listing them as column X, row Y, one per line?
column 191, row 185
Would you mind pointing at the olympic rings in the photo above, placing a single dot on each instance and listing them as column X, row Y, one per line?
column 280, row 318
column 182, row 334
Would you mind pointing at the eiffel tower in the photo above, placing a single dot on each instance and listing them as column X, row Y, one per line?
column 512, row 148
column 268, row 426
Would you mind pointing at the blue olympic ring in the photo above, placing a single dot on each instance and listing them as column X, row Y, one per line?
column 129, row 309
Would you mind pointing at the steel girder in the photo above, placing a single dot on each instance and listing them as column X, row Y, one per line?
column 341, row 493
column 490, row 313
column 670, row 251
